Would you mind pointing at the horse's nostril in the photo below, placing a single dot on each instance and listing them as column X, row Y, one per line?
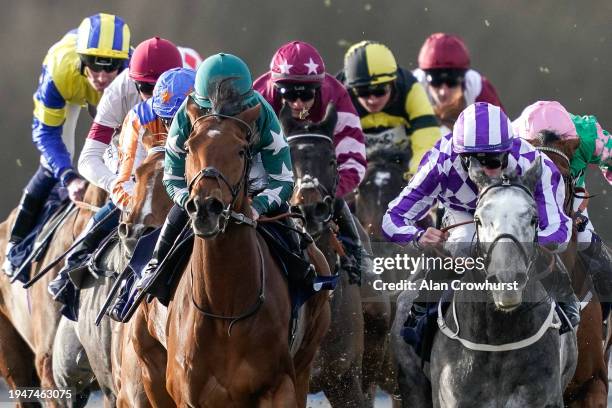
column 191, row 206
column 124, row 230
column 213, row 206
column 321, row 210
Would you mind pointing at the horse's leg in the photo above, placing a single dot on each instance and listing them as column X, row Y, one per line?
column 71, row 368
column 283, row 397
column 16, row 360
column 589, row 385
column 153, row 358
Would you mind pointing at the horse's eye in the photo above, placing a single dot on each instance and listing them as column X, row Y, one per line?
column 477, row 221
column 241, row 153
column 534, row 220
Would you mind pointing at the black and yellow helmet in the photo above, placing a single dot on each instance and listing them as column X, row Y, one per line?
column 369, row 63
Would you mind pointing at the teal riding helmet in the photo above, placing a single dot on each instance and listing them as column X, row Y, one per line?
column 217, row 67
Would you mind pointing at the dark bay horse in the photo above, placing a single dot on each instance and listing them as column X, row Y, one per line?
column 228, row 322
column 338, row 364
column 29, row 318
column 589, row 386
column 383, row 181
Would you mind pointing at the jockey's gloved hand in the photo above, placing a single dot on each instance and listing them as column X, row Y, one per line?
column 255, row 213
column 76, row 188
column 432, row 236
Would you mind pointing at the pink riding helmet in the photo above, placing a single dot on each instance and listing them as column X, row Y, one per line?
column 544, row 115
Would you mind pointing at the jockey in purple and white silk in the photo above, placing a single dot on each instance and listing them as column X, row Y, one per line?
column 480, row 128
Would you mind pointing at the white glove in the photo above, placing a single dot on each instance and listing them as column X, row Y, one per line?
column 76, row 189
column 255, row 213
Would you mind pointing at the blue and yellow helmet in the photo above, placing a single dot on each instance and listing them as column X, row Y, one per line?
column 171, row 89
column 104, row 35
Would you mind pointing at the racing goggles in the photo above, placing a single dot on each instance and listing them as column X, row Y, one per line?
column 488, row 160
column 450, row 77
column 98, row 64
column 374, row 90
column 304, row 93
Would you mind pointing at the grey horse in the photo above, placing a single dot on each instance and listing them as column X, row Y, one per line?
column 504, row 350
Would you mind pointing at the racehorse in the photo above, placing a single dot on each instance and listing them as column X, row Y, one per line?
column 228, row 322
column 589, row 386
column 338, row 365
column 382, row 182
column 29, row 318
column 504, row 350
column 149, row 193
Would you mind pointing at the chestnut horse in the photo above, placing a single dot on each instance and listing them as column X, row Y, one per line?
column 29, row 318
column 589, row 386
column 226, row 329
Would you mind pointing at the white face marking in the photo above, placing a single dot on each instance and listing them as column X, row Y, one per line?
column 214, row 133
column 382, row 178
column 305, row 146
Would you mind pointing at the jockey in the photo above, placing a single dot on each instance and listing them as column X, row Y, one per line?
column 297, row 77
column 150, row 59
column 271, row 172
column 595, row 148
column 444, row 71
column 443, row 176
column 75, row 72
column 392, row 104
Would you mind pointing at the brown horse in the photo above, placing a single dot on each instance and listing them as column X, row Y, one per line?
column 589, row 386
column 216, row 359
column 337, row 369
column 29, row 318
column 151, row 204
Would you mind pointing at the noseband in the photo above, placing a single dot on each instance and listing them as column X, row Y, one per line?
column 529, row 261
column 309, row 180
column 212, row 172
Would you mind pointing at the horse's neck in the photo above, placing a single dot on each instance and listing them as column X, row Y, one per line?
column 479, row 321
column 325, row 243
column 231, row 266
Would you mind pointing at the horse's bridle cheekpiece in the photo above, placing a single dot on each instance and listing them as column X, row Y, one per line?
column 212, row 172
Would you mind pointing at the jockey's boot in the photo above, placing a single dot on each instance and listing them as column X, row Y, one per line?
column 562, row 291
column 598, row 261
column 352, row 263
column 27, row 214
column 76, row 257
column 168, row 234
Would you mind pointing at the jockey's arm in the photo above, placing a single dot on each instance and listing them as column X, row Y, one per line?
column 424, row 128
column 413, row 204
column 47, row 126
column 276, row 159
column 123, row 189
column 114, row 105
column 350, row 146
column 174, row 162
column 554, row 226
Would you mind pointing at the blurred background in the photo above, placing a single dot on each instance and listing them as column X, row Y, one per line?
column 530, row 50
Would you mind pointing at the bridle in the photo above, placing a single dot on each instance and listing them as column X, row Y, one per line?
column 235, row 189
column 308, row 180
column 486, row 255
column 228, row 215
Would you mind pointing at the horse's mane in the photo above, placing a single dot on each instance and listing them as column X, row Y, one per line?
column 224, row 97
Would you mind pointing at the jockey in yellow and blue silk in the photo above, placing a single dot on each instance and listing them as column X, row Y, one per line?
column 75, row 72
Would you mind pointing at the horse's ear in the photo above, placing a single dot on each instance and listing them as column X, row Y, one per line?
column 286, row 118
column 328, row 124
column 477, row 174
column 250, row 115
column 192, row 109
column 533, row 175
